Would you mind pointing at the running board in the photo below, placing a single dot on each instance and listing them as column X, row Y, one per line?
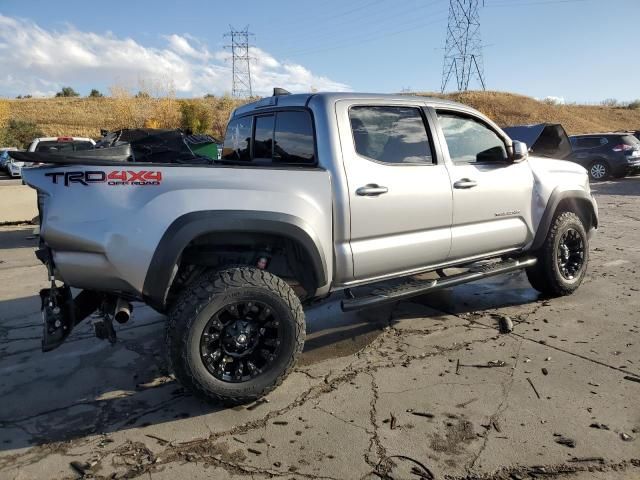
column 414, row 287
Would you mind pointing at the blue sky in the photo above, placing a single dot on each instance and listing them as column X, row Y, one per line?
column 579, row 50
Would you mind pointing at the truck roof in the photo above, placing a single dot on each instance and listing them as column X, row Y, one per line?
column 302, row 99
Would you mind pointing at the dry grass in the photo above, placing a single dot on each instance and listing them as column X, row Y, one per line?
column 86, row 116
column 511, row 109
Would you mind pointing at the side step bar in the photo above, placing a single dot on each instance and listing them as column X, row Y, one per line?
column 414, row 287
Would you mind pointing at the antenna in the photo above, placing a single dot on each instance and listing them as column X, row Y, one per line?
column 463, row 47
column 241, row 83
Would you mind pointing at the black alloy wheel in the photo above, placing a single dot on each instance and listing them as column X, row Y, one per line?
column 570, row 254
column 241, row 341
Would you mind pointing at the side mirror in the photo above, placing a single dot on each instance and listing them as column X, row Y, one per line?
column 520, row 151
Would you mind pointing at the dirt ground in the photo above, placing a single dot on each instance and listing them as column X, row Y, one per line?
column 428, row 388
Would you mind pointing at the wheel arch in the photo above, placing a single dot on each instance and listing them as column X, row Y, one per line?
column 185, row 229
column 577, row 201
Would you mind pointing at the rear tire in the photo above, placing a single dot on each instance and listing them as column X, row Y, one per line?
column 599, row 170
column 235, row 334
column 563, row 257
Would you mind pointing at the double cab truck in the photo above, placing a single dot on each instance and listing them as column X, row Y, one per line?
column 314, row 194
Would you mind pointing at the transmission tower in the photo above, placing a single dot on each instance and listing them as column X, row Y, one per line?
column 463, row 48
column 240, row 58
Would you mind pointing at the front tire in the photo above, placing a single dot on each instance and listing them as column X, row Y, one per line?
column 563, row 257
column 235, row 334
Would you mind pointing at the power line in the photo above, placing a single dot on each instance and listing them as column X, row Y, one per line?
column 366, row 19
column 241, row 62
column 526, row 3
column 463, row 46
column 350, row 41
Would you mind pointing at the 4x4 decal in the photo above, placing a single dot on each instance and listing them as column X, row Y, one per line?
column 116, row 177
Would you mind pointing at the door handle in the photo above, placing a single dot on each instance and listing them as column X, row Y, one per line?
column 465, row 183
column 371, row 190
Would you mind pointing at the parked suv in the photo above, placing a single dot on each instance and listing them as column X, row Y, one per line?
column 606, row 155
column 315, row 194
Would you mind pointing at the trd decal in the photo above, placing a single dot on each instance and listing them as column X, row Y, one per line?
column 117, row 177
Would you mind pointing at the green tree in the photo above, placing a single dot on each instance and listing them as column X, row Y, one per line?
column 95, row 93
column 67, row 92
column 19, row 133
column 196, row 116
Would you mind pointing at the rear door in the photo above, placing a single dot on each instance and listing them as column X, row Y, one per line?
column 399, row 190
column 492, row 196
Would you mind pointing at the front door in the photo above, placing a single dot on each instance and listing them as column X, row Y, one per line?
column 491, row 195
column 399, row 194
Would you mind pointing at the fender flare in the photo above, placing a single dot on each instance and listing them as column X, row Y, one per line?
column 555, row 198
column 191, row 225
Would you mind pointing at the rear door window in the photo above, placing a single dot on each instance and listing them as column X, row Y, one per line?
column 392, row 135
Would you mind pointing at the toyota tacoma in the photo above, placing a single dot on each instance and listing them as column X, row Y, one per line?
column 314, row 194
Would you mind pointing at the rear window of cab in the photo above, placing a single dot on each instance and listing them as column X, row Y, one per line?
column 62, row 146
column 273, row 138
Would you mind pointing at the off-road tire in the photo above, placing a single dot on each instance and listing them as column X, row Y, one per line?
column 545, row 275
column 206, row 295
column 599, row 166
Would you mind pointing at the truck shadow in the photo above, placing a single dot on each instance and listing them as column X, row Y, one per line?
column 89, row 387
column 18, row 238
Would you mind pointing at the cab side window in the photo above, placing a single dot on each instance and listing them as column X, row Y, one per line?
column 470, row 141
column 237, row 140
column 280, row 138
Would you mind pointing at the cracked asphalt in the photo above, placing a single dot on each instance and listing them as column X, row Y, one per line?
column 427, row 388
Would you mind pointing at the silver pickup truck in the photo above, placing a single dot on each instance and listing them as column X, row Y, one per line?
column 315, row 193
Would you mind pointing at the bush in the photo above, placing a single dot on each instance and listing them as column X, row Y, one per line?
column 610, row 102
column 67, row 92
column 635, row 105
column 196, row 116
column 95, row 93
column 19, row 133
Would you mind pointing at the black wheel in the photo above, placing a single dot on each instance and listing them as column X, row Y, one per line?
column 563, row 258
column 235, row 334
column 599, row 170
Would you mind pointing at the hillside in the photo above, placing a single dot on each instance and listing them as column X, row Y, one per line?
column 86, row 116
column 511, row 109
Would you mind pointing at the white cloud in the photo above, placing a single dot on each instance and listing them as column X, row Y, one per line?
column 39, row 61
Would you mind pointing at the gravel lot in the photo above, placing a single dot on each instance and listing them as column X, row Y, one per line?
column 427, row 389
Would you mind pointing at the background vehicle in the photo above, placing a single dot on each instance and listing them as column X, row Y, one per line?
column 5, row 158
column 606, row 155
column 13, row 166
column 60, row 144
column 315, row 193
